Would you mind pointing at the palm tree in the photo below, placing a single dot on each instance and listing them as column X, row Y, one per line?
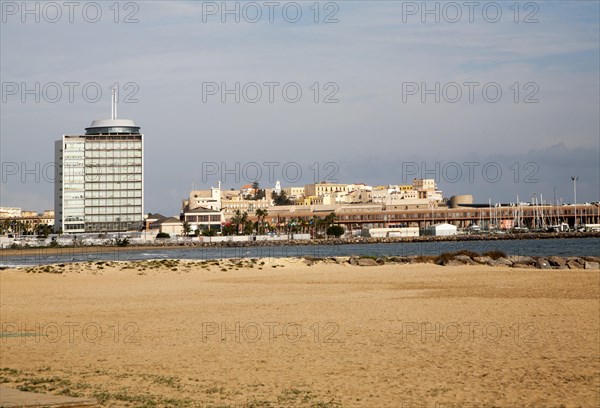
column 303, row 225
column 261, row 214
column 239, row 220
column 19, row 227
column 236, row 220
column 328, row 221
column 314, row 224
column 43, row 230
column 248, row 227
column 4, row 226
column 186, row 229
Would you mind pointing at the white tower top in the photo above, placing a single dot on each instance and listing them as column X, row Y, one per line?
column 112, row 125
column 114, row 95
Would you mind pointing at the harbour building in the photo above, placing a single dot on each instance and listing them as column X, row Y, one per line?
column 100, row 178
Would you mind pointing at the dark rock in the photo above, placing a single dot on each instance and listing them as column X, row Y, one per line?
column 464, row 259
column 557, row 261
column 494, row 262
column 573, row 264
column 366, row 262
column 353, row 260
column 503, row 261
column 542, row 263
column 523, row 260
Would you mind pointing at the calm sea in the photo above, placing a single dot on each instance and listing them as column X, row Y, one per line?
column 542, row 247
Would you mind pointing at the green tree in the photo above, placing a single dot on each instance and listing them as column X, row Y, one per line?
column 43, row 230
column 237, row 220
column 248, row 227
column 186, row 228
column 330, row 219
column 303, row 225
column 229, row 229
column 4, row 226
column 261, row 215
column 209, row 233
column 241, row 223
column 281, row 198
column 335, row 230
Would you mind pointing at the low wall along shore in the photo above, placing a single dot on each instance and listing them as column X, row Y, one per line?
column 248, row 241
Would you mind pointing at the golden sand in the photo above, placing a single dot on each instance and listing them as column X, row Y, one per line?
column 285, row 334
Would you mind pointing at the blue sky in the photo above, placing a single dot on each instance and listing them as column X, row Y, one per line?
column 368, row 57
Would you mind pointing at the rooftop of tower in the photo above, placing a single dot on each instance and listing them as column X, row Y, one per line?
column 112, row 126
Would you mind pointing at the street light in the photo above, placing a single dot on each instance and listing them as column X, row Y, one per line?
column 575, row 178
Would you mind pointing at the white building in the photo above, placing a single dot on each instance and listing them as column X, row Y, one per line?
column 205, row 198
column 442, row 229
column 390, row 232
column 10, row 212
column 201, row 218
column 294, row 193
column 99, row 186
column 422, row 191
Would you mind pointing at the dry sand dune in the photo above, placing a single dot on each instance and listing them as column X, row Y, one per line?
column 286, row 334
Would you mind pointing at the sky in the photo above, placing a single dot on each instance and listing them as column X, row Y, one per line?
column 500, row 100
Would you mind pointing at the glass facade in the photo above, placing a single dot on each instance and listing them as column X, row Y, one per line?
column 73, row 178
column 102, row 182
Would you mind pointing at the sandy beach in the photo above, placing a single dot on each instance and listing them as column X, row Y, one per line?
column 280, row 333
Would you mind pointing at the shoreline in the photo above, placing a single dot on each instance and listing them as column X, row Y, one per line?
column 90, row 249
column 489, row 259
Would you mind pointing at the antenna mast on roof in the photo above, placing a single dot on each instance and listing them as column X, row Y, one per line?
column 114, row 103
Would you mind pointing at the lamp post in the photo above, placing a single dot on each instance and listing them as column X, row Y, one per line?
column 575, row 178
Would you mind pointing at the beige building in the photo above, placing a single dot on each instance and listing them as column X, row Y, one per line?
column 204, row 198
column 359, row 197
column 224, row 202
column 28, row 220
column 171, row 225
column 321, row 189
column 233, row 204
column 422, row 192
column 10, row 212
column 294, row 193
